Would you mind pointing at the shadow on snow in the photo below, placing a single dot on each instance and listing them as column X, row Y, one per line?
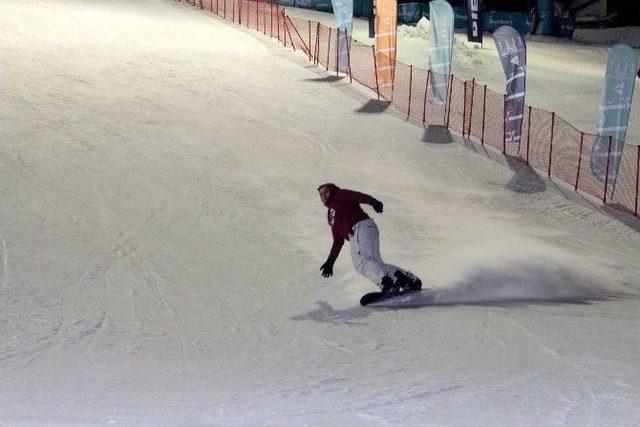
column 520, row 285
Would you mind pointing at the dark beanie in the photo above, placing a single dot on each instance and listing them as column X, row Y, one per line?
column 330, row 185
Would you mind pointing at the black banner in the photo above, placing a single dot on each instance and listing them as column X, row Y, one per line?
column 475, row 21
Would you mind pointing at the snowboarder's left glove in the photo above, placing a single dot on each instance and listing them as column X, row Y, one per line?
column 377, row 206
column 327, row 269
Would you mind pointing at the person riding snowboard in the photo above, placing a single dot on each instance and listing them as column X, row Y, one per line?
column 349, row 222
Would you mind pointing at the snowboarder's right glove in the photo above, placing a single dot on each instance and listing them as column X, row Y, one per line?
column 377, row 206
column 327, row 269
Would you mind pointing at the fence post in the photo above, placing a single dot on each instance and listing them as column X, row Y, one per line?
column 575, row 187
column 297, row 34
column 338, row 53
column 504, row 124
column 309, row 20
column 637, row 180
column 375, row 70
column 211, row 6
column 349, row 41
column 224, row 4
column 328, row 48
column 448, row 104
column 217, row 8
column 464, row 110
column 248, row 7
column 271, row 20
column 317, row 54
column 484, row 112
column 240, row 12
column 410, row 89
column 285, row 17
column 284, row 30
column 424, row 105
column 606, row 178
column 473, row 91
column 553, row 122
column 258, row 19
column 233, row 11
column 278, row 21
column 528, row 135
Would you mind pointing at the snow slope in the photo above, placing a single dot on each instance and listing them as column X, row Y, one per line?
column 562, row 76
column 161, row 239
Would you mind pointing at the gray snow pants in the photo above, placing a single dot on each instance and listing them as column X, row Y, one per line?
column 365, row 253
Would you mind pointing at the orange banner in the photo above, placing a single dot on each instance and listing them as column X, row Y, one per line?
column 385, row 42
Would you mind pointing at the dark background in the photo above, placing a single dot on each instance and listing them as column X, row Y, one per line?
column 610, row 12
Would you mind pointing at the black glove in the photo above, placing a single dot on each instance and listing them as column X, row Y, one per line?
column 377, row 206
column 327, row 269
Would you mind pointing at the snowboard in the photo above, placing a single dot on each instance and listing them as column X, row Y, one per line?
column 376, row 297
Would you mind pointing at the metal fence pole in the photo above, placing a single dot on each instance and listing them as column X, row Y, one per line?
column 328, row 48
column 284, row 29
column 375, row 70
column 528, row 135
column 338, row 53
column 293, row 45
column 484, row 113
column 635, row 212
column 317, row 54
column 424, row 104
column 464, row 110
column 606, row 178
column 504, row 124
column 410, row 89
column 448, row 104
column 349, row 41
column 575, row 187
column 309, row 20
column 553, row 122
column 473, row 91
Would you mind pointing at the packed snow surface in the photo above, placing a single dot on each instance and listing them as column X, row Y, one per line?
column 161, row 236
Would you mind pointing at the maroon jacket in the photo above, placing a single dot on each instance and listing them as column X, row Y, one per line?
column 344, row 212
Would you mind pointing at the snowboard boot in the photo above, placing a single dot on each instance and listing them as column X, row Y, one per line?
column 389, row 287
column 408, row 281
column 416, row 285
column 402, row 280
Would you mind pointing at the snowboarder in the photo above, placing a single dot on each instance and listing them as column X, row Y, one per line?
column 349, row 222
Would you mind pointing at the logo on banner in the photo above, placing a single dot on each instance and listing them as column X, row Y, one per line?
column 385, row 42
column 343, row 11
column 513, row 55
column 441, row 44
column 474, row 21
column 615, row 107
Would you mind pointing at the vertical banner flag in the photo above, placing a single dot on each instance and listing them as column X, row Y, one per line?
column 343, row 11
column 475, row 21
column 513, row 54
column 441, row 39
column 385, row 42
column 617, row 95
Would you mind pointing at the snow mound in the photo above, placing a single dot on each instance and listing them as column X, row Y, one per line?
column 419, row 31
